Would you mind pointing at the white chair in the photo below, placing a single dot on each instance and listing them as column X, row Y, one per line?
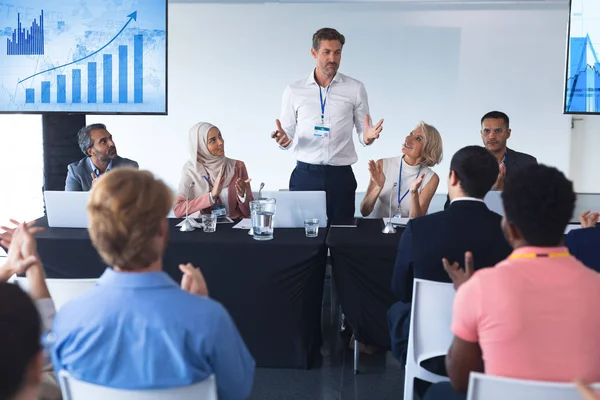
column 62, row 290
column 486, row 387
column 73, row 389
column 429, row 334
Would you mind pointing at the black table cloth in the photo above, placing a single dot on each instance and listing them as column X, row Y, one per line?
column 272, row 289
column 362, row 263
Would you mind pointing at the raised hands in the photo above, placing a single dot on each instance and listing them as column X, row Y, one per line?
column 589, row 219
column 240, row 185
column 499, row 185
column 280, row 136
column 218, row 184
column 377, row 175
column 22, row 250
column 371, row 133
column 192, row 280
column 414, row 187
column 458, row 275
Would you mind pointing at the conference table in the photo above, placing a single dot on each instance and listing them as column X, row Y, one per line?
column 272, row 289
column 362, row 263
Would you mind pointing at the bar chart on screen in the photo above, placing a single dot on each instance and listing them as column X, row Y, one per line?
column 87, row 56
column 582, row 92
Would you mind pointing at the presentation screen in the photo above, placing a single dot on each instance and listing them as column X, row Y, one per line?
column 582, row 88
column 83, row 56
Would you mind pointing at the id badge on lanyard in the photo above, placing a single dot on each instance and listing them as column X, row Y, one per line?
column 322, row 130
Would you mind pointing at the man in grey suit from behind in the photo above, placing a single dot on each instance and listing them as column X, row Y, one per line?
column 101, row 156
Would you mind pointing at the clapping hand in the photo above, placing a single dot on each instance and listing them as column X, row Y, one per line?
column 240, row 185
column 499, row 185
column 7, row 235
column 377, row 175
column 280, row 136
column 589, row 219
column 22, row 251
column 587, row 392
column 192, row 280
column 458, row 275
column 218, row 184
column 371, row 132
column 414, row 187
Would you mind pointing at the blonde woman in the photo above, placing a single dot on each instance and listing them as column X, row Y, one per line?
column 417, row 183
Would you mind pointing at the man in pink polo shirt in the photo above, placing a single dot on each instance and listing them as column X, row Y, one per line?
column 534, row 316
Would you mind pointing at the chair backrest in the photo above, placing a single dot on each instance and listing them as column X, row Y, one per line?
column 73, row 389
column 431, row 317
column 486, row 387
column 62, row 290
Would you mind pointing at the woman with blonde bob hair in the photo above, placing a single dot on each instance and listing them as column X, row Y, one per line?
column 417, row 183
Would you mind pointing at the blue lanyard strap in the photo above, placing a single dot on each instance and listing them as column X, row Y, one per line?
column 323, row 102
column 400, row 182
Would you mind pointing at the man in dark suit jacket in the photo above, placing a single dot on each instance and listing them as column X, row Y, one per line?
column 584, row 243
column 101, row 156
column 495, row 132
column 467, row 225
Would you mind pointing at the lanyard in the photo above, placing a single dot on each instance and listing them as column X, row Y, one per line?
column 323, row 102
column 400, row 182
column 533, row 255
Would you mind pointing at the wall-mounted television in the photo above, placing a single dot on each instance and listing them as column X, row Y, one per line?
column 582, row 82
column 83, row 56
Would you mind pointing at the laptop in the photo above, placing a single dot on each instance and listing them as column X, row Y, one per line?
column 66, row 209
column 293, row 208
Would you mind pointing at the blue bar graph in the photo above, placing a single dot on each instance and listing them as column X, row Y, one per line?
column 76, row 77
column 76, row 86
column 26, row 41
column 138, row 69
column 122, row 74
column 29, row 96
column 61, row 91
column 107, row 78
column 45, row 91
column 92, row 82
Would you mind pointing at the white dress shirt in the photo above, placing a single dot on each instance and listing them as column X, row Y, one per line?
column 345, row 108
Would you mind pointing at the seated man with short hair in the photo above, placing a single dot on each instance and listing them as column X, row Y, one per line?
column 583, row 243
column 100, row 157
column 534, row 315
column 137, row 329
column 467, row 224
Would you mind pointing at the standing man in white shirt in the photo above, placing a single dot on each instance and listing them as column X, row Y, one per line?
column 320, row 113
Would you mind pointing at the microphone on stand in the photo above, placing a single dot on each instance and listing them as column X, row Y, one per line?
column 389, row 228
column 187, row 226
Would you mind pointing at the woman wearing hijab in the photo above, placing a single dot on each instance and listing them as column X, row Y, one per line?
column 220, row 183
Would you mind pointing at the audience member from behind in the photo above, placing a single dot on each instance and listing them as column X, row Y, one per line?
column 412, row 172
column 583, row 243
column 467, row 224
column 100, row 157
column 534, row 315
column 137, row 329
column 219, row 183
column 26, row 372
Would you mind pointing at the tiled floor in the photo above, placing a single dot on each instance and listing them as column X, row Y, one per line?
column 381, row 375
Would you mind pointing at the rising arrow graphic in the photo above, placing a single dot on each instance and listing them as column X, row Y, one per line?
column 132, row 17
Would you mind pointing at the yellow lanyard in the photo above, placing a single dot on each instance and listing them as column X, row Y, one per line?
column 534, row 255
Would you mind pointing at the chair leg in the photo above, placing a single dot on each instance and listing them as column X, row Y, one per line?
column 332, row 301
column 356, row 357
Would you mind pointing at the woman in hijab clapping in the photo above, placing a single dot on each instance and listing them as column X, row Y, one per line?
column 220, row 183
